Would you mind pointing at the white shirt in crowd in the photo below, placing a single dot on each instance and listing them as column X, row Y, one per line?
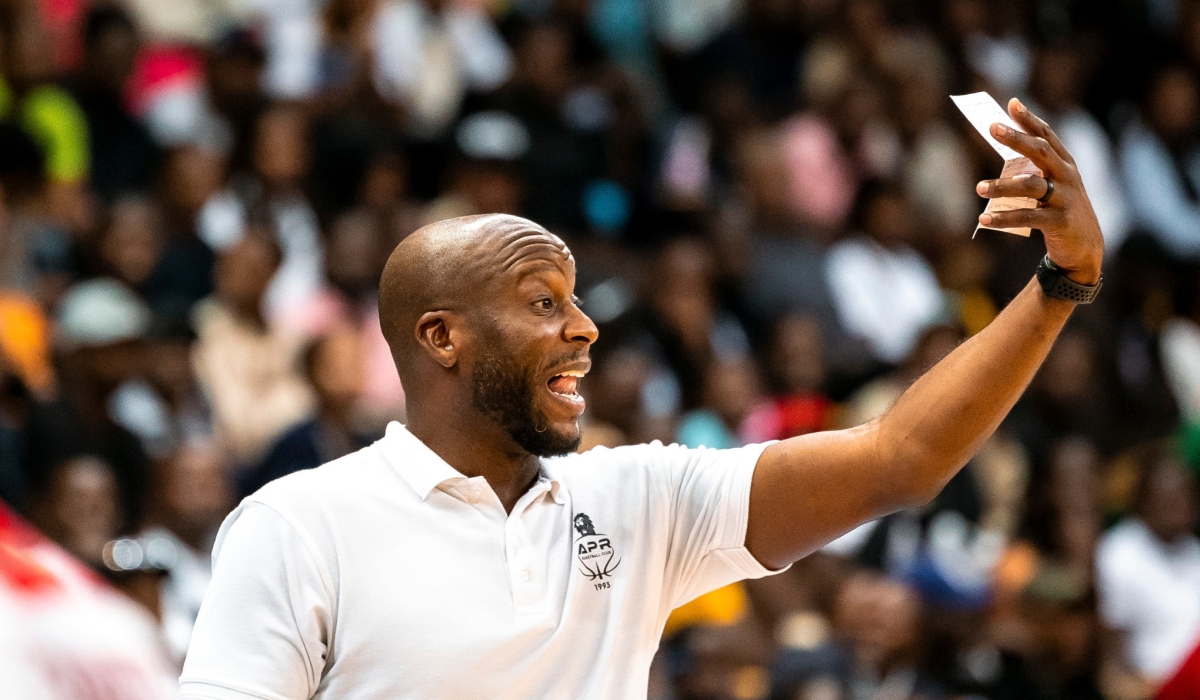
column 388, row 574
column 1179, row 345
column 1158, row 195
column 886, row 296
column 1151, row 591
column 1088, row 143
column 181, row 591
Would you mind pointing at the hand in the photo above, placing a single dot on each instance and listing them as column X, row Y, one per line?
column 1068, row 223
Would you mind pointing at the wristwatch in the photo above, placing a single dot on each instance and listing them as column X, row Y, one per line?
column 1057, row 285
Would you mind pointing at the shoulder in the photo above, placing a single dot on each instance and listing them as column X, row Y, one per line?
column 307, row 492
column 627, row 465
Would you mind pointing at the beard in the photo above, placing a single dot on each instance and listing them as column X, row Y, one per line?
column 502, row 390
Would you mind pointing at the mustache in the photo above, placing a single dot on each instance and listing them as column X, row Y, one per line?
column 566, row 358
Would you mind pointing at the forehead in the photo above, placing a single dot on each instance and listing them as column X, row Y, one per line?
column 516, row 247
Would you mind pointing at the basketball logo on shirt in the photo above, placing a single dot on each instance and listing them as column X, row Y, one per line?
column 594, row 550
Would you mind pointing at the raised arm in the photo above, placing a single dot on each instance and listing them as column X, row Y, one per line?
column 811, row 489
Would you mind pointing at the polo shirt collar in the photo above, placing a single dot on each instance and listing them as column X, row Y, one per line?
column 424, row 470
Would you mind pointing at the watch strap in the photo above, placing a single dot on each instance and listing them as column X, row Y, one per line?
column 1057, row 285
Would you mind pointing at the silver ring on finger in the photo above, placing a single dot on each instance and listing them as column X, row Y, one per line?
column 1045, row 199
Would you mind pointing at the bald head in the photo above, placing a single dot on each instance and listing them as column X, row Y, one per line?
column 450, row 265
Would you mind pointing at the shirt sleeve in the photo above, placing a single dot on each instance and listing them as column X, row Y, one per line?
column 263, row 628
column 709, row 492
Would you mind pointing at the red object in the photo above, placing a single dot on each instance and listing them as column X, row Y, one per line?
column 787, row 416
column 162, row 68
column 1185, row 684
column 19, row 570
column 63, row 22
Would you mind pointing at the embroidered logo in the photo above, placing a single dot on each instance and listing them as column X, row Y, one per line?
column 595, row 550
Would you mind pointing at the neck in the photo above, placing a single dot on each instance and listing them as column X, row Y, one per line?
column 474, row 446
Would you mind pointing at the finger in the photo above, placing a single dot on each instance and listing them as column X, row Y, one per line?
column 1024, row 185
column 1035, row 125
column 1048, row 217
column 1036, row 148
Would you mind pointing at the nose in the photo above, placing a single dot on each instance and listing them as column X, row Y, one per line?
column 579, row 327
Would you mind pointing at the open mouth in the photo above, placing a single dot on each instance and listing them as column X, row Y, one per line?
column 566, row 385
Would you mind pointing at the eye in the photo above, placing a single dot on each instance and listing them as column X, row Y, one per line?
column 545, row 303
column 577, row 302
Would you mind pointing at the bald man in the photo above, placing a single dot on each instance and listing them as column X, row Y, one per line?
column 471, row 554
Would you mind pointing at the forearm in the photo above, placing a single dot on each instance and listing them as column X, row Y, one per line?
column 939, row 423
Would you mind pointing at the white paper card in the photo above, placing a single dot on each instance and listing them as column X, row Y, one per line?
column 982, row 110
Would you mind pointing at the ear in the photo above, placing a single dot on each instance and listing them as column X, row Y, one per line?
column 436, row 337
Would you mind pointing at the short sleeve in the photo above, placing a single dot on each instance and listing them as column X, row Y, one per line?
column 263, row 628
column 709, row 492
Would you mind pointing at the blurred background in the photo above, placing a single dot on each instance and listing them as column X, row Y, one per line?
column 771, row 203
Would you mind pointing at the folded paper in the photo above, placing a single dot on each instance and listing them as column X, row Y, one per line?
column 982, row 110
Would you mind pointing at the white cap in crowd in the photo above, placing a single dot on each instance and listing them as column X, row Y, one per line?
column 100, row 312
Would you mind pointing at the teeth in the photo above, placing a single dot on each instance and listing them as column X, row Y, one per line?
column 572, row 373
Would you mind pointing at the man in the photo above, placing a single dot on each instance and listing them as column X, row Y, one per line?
column 1148, row 569
column 453, row 559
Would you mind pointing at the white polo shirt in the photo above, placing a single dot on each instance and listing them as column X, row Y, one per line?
column 387, row 574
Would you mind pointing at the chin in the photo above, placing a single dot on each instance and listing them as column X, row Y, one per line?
column 556, row 440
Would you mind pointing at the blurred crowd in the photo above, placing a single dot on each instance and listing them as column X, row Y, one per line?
column 771, row 203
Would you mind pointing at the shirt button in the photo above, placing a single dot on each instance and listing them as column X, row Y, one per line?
column 525, row 575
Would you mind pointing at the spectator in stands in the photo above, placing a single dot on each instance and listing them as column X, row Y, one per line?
column 633, row 398
column 885, row 292
column 78, row 507
column 100, row 326
column 1160, row 157
column 730, row 390
column 164, row 406
column 685, row 318
column 248, row 369
column 334, row 366
column 936, row 165
column 1063, row 515
column 1065, row 398
column 1057, row 86
column 1148, row 569
column 29, row 98
column 357, row 250
column 124, row 157
column 272, row 191
column 164, row 270
column 797, row 369
column 191, row 495
column 875, row 650
column 429, row 54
